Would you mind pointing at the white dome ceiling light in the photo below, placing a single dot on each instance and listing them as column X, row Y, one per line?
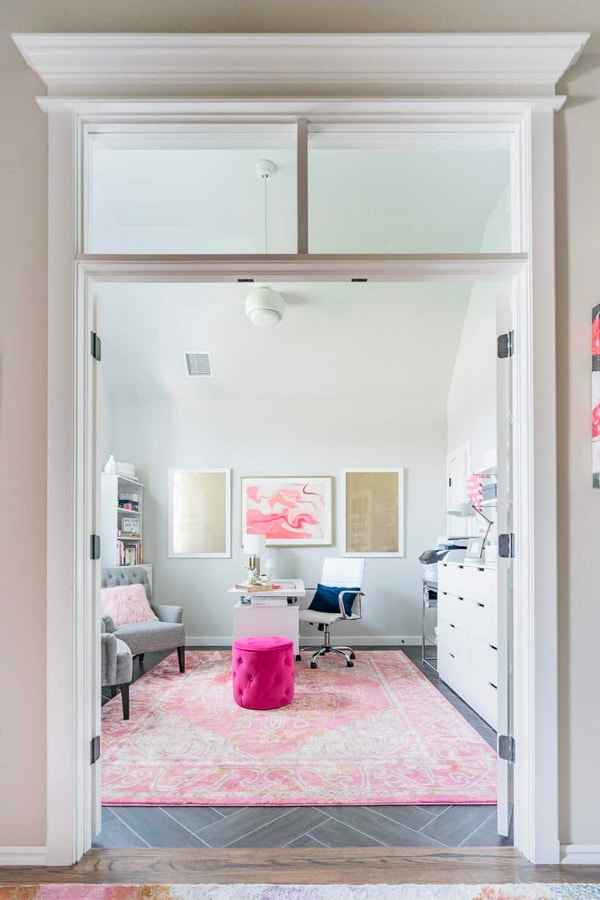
column 264, row 306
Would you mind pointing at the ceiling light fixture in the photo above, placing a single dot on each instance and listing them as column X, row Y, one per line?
column 264, row 306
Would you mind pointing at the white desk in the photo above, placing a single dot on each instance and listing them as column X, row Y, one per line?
column 257, row 620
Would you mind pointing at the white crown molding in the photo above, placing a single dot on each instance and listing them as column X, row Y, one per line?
column 23, row 856
column 311, row 64
column 580, row 854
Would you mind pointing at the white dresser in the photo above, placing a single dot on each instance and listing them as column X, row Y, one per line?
column 467, row 634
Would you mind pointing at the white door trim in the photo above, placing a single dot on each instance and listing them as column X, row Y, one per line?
column 501, row 78
column 69, row 721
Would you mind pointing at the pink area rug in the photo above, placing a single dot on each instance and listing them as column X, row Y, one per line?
column 378, row 733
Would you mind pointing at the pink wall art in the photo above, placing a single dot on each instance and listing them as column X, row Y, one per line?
column 289, row 511
column 596, row 396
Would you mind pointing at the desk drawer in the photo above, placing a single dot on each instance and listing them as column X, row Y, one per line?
column 470, row 582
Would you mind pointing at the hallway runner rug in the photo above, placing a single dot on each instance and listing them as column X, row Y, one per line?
column 379, row 733
column 300, row 892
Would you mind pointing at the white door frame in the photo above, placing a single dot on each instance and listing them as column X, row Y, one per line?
column 449, row 64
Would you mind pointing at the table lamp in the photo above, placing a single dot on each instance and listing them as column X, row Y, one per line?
column 254, row 547
column 468, row 508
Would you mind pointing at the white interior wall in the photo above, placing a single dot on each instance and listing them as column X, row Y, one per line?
column 305, row 437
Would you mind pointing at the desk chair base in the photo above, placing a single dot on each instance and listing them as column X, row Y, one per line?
column 346, row 652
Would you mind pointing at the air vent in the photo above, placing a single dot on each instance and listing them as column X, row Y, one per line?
column 198, row 364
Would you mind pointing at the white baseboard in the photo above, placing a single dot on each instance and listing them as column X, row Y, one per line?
column 580, row 854
column 313, row 640
column 23, row 856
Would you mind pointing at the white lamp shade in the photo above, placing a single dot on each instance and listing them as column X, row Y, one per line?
column 254, row 544
column 264, row 306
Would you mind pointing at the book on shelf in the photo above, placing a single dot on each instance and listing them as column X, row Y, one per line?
column 129, row 554
column 262, row 588
column 269, row 601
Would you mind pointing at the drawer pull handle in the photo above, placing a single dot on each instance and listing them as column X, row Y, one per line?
column 492, row 647
column 462, row 599
column 482, row 605
column 451, row 625
column 491, row 684
column 452, row 655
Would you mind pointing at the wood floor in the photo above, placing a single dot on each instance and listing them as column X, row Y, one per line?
column 495, row 865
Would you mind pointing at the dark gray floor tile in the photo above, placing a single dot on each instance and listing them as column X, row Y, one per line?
column 193, row 817
column 391, row 834
column 240, row 824
column 457, row 823
column 116, row 834
column 228, row 810
column 305, row 841
column 281, row 831
column 156, row 827
column 415, row 817
column 434, row 808
column 107, row 815
column 336, row 834
column 487, row 836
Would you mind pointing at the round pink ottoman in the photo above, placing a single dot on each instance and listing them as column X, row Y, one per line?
column 263, row 672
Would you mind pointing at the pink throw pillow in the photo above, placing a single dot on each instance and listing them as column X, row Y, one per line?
column 126, row 604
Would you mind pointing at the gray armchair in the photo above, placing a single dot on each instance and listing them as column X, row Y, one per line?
column 116, row 663
column 166, row 634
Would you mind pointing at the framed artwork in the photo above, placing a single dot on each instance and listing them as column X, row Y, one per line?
column 596, row 396
column 373, row 512
column 291, row 511
column 200, row 513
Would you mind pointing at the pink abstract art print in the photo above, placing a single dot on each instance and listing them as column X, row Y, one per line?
column 288, row 511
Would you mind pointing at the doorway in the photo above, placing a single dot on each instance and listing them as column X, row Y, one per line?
column 158, row 320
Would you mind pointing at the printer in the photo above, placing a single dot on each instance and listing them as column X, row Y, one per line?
column 447, row 547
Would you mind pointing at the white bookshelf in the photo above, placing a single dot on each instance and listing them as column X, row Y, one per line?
column 122, row 531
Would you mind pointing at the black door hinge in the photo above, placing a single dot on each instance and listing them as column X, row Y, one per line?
column 506, row 747
column 94, row 749
column 506, row 345
column 95, row 346
column 506, row 546
column 94, row 546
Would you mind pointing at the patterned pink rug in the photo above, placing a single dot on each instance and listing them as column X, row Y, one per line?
column 376, row 734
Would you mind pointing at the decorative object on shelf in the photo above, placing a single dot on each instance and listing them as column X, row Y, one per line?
column 373, row 512
column 288, row 511
column 200, row 513
column 127, row 470
column 254, row 547
column 596, row 396
column 130, row 526
column 110, row 466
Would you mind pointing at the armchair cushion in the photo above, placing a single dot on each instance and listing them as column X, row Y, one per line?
column 326, row 599
column 126, row 604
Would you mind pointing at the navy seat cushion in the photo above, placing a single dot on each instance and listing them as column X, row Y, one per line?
column 326, row 599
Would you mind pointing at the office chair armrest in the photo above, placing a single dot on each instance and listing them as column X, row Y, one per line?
column 358, row 595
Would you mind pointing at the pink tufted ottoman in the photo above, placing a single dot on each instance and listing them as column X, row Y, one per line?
column 263, row 672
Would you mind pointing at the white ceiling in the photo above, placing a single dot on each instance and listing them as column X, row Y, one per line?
column 336, row 341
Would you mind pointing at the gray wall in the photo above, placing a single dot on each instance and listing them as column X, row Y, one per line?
column 304, row 437
column 23, row 337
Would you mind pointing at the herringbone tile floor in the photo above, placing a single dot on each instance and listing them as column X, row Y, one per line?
column 307, row 826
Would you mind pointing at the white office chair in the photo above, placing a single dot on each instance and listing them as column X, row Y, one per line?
column 335, row 605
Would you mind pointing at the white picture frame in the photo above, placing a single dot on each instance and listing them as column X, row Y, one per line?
column 200, row 513
column 372, row 512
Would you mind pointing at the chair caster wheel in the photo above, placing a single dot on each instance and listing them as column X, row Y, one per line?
column 353, row 656
column 350, row 664
column 313, row 665
column 298, row 657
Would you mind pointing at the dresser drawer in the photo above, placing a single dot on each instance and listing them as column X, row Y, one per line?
column 455, row 610
column 455, row 641
column 484, row 659
column 470, row 582
column 484, row 700
column 484, row 622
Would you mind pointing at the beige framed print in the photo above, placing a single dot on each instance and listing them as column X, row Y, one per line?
column 291, row 511
column 372, row 512
column 200, row 513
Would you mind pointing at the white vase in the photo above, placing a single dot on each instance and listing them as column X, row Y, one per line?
column 111, row 465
